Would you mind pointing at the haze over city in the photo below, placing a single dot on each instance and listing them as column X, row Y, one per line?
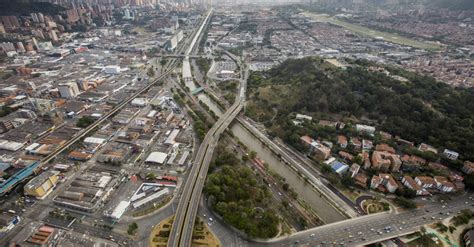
column 236, row 123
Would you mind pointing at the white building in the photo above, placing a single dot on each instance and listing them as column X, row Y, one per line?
column 157, row 158
column 119, row 210
column 139, row 102
column 68, row 90
column 180, row 35
column 112, row 69
column 365, row 129
column 303, row 117
column 172, row 43
column 450, row 154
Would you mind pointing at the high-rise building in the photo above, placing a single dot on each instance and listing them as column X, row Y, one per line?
column 34, row 17
column 20, row 47
column 72, row 15
column 53, row 36
column 127, row 15
column 38, row 33
column 10, row 22
column 7, row 46
column 40, row 17
column 29, row 47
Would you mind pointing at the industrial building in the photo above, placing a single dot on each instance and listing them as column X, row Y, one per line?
column 68, row 90
column 88, row 191
column 42, row 236
column 7, row 222
column 112, row 69
column 118, row 211
column 42, row 185
column 157, row 158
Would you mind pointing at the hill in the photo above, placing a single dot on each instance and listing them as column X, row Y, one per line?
column 454, row 4
column 25, row 7
column 419, row 109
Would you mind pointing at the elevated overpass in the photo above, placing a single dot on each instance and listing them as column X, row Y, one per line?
column 178, row 56
column 183, row 224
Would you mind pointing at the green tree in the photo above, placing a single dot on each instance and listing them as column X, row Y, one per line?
column 405, row 202
column 469, row 181
column 85, row 121
column 151, row 72
column 253, row 155
column 5, row 110
column 163, row 61
column 236, row 195
column 132, row 228
column 151, row 176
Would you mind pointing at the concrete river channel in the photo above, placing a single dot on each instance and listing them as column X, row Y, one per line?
column 322, row 208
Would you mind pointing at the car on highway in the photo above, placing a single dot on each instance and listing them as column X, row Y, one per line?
column 312, row 235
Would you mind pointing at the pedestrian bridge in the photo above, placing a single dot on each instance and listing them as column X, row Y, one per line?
column 197, row 90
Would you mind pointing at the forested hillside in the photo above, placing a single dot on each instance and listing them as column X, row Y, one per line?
column 454, row 4
column 420, row 109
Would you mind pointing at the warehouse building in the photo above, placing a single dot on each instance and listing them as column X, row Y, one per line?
column 42, row 185
column 88, row 191
column 157, row 158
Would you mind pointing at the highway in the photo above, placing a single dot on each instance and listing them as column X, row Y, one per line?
column 182, row 229
column 371, row 228
column 181, row 232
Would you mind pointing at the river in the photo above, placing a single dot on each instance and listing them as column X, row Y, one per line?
column 305, row 191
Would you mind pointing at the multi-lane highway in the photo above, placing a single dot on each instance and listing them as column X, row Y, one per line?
column 181, row 233
column 372, row 228
column 182, row 229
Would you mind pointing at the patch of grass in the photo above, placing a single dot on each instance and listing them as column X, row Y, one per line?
column 152, row 209
column 425, row 240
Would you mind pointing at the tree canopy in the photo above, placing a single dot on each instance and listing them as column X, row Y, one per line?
column 420, row 109
column 236, row 196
